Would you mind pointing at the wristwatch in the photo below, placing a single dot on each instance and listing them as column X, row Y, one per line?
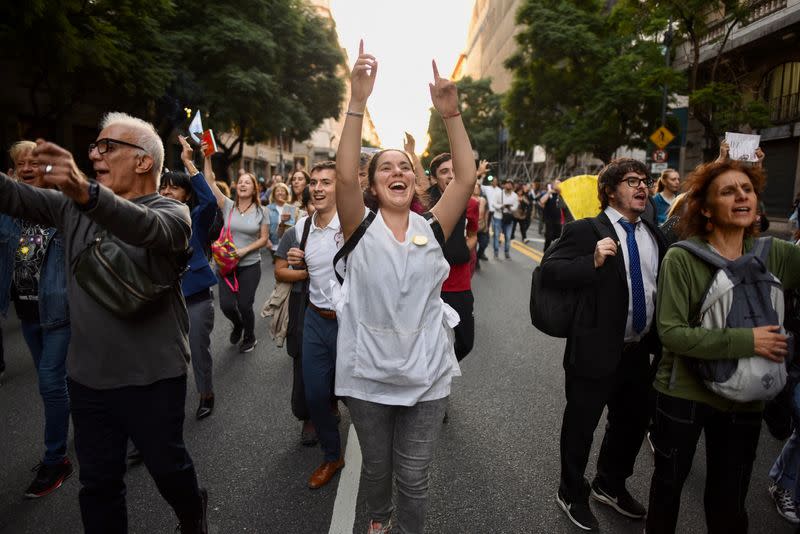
column 94, row 192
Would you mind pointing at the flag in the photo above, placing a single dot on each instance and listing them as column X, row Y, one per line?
column 196, row 127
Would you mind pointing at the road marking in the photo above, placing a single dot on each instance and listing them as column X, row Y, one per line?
column 532, row 253
column 344, row 507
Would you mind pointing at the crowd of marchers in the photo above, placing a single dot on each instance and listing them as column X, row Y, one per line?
column 682, row 325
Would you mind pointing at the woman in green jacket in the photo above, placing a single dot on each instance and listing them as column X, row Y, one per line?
column 720, row 214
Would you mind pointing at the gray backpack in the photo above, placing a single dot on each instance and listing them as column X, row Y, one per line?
column 742, row 294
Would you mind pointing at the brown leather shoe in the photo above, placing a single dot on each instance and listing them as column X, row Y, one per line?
column 324, row 473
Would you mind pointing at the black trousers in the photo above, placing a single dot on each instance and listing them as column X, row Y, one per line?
column 731, row 443
column 626, row 395
column 462, row 302
column 152, row 417
column 238, row 307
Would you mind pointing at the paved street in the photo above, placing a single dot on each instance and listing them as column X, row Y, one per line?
column 496, row 468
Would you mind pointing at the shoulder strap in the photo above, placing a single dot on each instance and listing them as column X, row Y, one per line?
column 351, row 243
column 708, row 256
column 761, row 248
column 306, row 230
column 435, row 226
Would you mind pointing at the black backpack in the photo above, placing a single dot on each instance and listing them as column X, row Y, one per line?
column 553, row 309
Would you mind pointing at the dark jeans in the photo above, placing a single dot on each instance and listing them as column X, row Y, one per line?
column 523, row 228
column 201, row 323
column 626, row 394
column 397, row 442
column 152, row 417
column 483, row 243
column 238, row 307
column 299, row 404
column 49, row 350
column 731, row 443
column 552, row 231
column 319, row 367
column 462, row 302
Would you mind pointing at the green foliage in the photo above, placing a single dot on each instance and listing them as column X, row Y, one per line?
column 255, row 67
column 585, row 79
column 733, row 110
column 482, row 115
column 62, row 51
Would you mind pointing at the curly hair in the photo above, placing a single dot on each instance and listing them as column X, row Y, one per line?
column 609, row 176
column 693, row 222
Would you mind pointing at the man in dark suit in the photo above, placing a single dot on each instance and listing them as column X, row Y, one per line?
column 613, row 261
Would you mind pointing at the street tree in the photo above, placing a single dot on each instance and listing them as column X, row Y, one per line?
column 259, row 69
column 70, row 52
column 587, row 77
column 482, row 115
column 718, row 98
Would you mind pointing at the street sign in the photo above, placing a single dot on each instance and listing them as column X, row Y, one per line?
column 660, row 156
column 658, row 168
column 662, row 137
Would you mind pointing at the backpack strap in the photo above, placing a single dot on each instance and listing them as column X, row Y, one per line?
column 351, row 243
column 435, row 226
column 306, row 230
column 761, row 248
column 705, row 254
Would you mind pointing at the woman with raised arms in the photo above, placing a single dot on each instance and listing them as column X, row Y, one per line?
column 395, row 347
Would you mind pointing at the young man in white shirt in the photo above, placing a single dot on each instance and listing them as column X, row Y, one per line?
column 320, row 327
column 503, row 203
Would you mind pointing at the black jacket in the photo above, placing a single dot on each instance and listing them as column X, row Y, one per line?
column 595, row 346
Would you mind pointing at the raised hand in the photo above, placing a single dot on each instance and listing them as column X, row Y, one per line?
column 362, row 79
column 444, row 94
column 409, row 144
column 483, row 167
column 58, row 168
column 187, row 152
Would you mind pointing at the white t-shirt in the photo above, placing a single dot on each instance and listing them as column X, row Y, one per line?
column 321, row 246
column 395, row 343
column 504, row 203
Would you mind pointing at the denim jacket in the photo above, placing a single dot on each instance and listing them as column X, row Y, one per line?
column 53, row 303
column 275, row 219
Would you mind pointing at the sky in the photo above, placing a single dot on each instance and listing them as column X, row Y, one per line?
column 403, row 36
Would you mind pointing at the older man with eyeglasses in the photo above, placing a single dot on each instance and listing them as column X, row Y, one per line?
column 127, row 376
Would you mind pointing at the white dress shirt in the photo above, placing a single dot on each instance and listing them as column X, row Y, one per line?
column 648, row 261
column 321, row 246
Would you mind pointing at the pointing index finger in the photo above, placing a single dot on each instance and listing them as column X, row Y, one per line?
column 435, row 70
column 361, row 47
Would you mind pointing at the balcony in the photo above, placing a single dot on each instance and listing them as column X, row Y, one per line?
column 759, row 9
column 785, row 108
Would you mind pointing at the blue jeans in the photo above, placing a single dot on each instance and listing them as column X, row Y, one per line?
column 397, row 442
column 785, row 471
column 499, row 228
column 319, row 368
column 49, row 351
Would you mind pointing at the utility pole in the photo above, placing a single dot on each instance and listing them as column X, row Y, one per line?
column 667, row 44
column 280, row 152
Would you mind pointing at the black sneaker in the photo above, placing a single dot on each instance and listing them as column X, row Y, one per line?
column 48, row 478
column 236, row 335
column 622, row 502
column 201, row 525
column 248, row 345
column 578, row 512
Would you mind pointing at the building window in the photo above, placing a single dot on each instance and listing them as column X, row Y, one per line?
column 782, row 92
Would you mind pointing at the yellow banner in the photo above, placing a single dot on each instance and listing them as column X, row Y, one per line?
column 580, row 195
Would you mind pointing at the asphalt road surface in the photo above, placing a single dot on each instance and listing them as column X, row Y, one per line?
column 496, row 468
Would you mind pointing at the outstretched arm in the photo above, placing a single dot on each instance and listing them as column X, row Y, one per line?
column 349, row 199
column 454, row 199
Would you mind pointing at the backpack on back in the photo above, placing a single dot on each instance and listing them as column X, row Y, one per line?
column 742, row 294
column 553, row 309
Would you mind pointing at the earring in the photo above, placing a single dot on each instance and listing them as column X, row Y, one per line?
column 709, row 226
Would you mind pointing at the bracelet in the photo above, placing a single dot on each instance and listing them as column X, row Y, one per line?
column 355, row 113
column 456, row 114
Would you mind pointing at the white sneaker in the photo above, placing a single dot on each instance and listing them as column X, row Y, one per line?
column 784, row 503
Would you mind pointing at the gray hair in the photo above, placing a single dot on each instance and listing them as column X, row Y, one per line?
column 147, row 136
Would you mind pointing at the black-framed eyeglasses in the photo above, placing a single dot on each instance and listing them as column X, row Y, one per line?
column 106, row 143
column 634, row 182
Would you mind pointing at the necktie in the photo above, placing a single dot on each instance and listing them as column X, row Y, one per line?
column 639, row 318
